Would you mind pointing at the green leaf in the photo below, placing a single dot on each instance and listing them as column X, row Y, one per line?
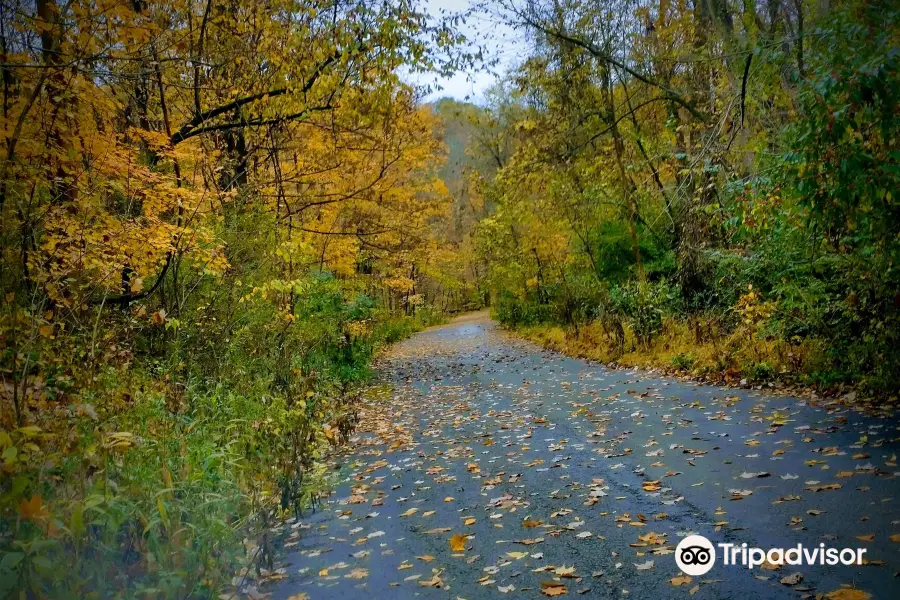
column 11, row 560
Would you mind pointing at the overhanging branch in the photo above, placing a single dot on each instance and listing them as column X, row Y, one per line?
column 195, row 126
column 597, row 53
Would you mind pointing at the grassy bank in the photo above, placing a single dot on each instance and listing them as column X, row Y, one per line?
column 698, row 348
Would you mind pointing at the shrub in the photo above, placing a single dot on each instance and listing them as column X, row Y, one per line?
column 514, row 311
column 683, row 361
column 644, row 304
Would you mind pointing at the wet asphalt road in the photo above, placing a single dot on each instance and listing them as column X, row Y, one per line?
column 548, row 463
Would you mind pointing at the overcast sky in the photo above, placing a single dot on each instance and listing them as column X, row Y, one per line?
column 501, row 42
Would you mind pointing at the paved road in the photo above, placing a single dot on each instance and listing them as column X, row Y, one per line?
column 565, row 475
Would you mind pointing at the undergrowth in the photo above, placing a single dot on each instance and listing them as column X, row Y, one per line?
column 699, row 348
column 163, row 477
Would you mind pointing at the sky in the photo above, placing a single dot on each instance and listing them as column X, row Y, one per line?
column 501, row 42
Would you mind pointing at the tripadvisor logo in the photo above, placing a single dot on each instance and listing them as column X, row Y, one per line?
column 695, row 555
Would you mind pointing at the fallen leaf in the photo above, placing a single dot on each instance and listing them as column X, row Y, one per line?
column 458, row 542
column 552, row 588
column 357, row 574
column 435, row 581
column 822, row 488
column 530, row 541
column 437, row 530
column 847, row 593
column 564, row 571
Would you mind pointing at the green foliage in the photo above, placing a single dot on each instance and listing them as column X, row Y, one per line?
column 158, row 499
column 614, row 256
column 137, row 527
column 760, row 372
column 683, row 361
column 845, row 159
column 768, row 233
column 515, row 311
column 644, row 304
column 844, row 166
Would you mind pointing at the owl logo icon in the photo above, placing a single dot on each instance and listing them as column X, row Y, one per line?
column 695, row 555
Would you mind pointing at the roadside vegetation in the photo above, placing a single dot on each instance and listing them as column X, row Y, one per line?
column 708, row 187
column 213, row 215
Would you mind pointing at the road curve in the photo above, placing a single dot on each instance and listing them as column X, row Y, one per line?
column 567, row 477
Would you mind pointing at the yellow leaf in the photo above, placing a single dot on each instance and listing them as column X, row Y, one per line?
column 847, row 593
column 163, row 513
column 565, row 571
column 553, row 588
column 435, row 581
column 357, row 574
column 458, row 542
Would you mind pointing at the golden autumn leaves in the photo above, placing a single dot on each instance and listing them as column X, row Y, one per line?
column 458, row 542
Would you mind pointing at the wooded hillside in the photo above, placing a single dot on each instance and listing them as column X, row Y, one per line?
column 710, row 187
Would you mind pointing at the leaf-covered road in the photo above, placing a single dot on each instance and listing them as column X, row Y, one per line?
column 568, row 477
